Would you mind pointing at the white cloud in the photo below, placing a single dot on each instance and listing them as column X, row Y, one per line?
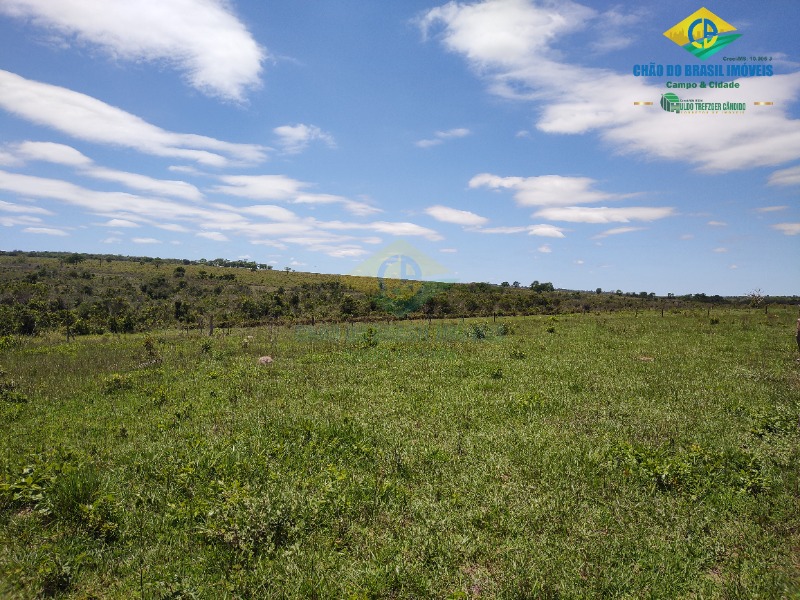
column 789, row 176
column 16, row 221
column 720, row 250
column 23, row 208
column 139, row 240
column 441, row 136
column 213, row 235
column 51, row 152
column 617, row 231
column 542, row 230
column 766, row 209
column 788, row 228
column 448, row 250
column 213, row 221
column 111, row 240
column 67, row 155
column 89, row 119
column 260, row 187
column 161, row 187
column 502, row 230
column 120, row 223
column 545, row 190
column 546, row 231
column 580, row 214
column 404, row 229
column 545, row 249
column 171, row 227
column 281, row 188
column 203, row 39
column 296, row 138
column 271, row 212
column 45, row 231
column 717, row 224
column 454, row 215
column 514, row 46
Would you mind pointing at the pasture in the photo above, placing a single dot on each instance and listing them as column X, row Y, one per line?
column 618, row 455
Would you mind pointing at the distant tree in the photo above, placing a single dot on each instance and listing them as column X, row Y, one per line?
column 504, row 284
column 516, row 284
column 598, row 291
column 74, row 259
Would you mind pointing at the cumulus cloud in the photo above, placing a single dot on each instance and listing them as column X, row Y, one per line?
column 454, row 215
column 545, row 249
column 201, row 38
column 441, row 136
column 296, row 138
column 581, row 214
column 86, row 118
column 513, row 46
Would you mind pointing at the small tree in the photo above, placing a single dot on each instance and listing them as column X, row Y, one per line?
column 756, row 298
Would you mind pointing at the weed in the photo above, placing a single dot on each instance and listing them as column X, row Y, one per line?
column 369, row 339
column 479, row 331
column 8, row 390
column 116, row 382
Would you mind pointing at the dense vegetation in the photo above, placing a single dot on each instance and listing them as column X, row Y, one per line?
column 608, row 455
column 91, row 294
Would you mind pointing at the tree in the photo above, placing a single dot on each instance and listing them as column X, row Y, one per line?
column 598, row 291
column 74, row 259
column 756, row 298
column 516, row 284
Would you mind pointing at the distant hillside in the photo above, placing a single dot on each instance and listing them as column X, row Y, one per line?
column 92, row 294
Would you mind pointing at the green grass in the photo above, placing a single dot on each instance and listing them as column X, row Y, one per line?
column 606, row 456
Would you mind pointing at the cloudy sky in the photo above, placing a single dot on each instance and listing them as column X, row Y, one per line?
column 498, row 138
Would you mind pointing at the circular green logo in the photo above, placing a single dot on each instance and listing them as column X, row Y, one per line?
column 670, row 102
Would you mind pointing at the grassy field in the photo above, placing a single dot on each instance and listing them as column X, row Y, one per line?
column 579, row 456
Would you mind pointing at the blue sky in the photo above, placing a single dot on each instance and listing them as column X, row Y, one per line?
column 497, row 139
